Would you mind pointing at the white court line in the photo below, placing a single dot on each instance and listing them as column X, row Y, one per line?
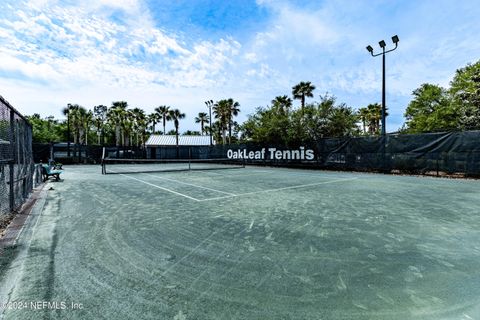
column 279, row 189
column 162, row 188
column 255, row 173
column 190, row 184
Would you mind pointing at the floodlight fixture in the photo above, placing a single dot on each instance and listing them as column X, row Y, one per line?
column 382, row 44
column 370, row 49
column 395, row 39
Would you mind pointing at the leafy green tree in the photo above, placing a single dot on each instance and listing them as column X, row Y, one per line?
column 45, row 130
column 267, row 125
column 343, row 122
column 431, row 109
column 274, row 125
column 326, row 119
column 465, row 92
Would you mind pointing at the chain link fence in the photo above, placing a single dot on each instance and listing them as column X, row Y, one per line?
column 18, row 173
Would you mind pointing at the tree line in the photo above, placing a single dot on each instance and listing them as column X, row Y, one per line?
column 432, row 108
column 281, row 124
column 123, row 126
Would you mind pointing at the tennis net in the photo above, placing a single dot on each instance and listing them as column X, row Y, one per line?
column 115, row 165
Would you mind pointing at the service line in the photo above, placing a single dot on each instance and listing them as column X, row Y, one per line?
column 279, row 189
column 162, row 188
column 191, row 184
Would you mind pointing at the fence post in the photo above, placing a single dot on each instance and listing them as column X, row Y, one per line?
column 12, row 161
column 52, row 153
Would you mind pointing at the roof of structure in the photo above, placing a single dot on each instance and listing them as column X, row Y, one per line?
column 183, row 140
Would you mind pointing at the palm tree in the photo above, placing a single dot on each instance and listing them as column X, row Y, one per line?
column 221, row 110
column 127, row 127
column 202, row 118
column 176, row 115
column 164, row 112
column 139, row 125
column 100, row 116
column 191, row 133
column 284, row 103
column 87, row 120
column 115, row 115
column 234, row 109
column 75, row 115
column 374, row 117
column 66, row 112
column 216, row 131
column 302, row 90
column 364, row 116
column 153, row 118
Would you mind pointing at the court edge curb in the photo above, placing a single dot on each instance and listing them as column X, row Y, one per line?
column 14, row 229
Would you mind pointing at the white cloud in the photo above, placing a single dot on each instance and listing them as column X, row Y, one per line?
column 84, row 47
column 84, row 53
column 293, row 34
column 127, row 5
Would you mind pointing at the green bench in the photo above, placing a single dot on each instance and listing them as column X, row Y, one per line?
column 48, row 172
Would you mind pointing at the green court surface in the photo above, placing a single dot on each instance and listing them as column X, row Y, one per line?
column 252, row 243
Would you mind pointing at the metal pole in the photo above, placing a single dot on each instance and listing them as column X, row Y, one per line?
column 68, row 132
column 12, row 161
column 209, row 104
column 383, row 94
column 382, row 44
column 210, row 118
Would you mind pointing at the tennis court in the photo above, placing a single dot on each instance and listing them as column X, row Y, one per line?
column 250, row 243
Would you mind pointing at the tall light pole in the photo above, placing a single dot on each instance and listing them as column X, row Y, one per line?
column 68, row 131
column 209, row 104
column 382, row 44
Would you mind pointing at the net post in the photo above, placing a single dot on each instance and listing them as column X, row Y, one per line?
column 189, row 158
column 102, row 161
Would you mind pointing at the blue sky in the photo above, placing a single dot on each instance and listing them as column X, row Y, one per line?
column 182, row 53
